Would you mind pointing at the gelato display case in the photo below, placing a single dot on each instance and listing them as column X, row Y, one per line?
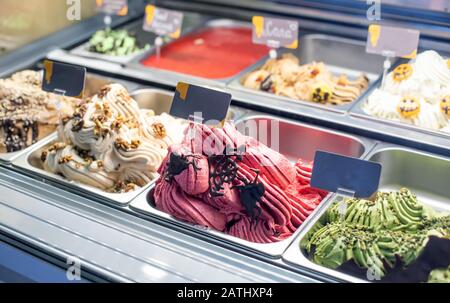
column 117, row 184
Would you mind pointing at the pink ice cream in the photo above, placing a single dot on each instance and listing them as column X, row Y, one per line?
column 287, row 198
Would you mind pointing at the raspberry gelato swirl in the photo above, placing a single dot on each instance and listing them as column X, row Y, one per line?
column 110, row 143
column 280, row 191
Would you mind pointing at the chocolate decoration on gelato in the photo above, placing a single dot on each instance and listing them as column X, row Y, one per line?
column 251, row 194
column 223, row 169
column 255, row 194
column 179, row 163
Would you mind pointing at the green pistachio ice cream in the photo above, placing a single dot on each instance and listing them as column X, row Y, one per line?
column 374, row 234
column 115, row 43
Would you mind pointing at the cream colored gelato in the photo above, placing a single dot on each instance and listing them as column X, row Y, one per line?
column 417, row 93
column 112, row 144
column 308, row 82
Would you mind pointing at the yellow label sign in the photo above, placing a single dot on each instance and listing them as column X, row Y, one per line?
column 182, row 88
column 374, row 32
column 275, row 32
column 117, row 7
column 392, row 41
column 163, row 22
column 48, row 65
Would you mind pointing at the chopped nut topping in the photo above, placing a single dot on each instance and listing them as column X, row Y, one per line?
column 343, row 80
column 107, row 110
column 65, row 119
column 122, row 186
column 124, row 145
column 130, row 187
column 65, row 159
column 104, row 91
column 159, row 130
column 117, row 124
column 315, row 72
column 77, row 125
column 135, row 143
column 44, row 155
column 124, row 96
column 57, row 146
column 80, row 111
column 100, row 164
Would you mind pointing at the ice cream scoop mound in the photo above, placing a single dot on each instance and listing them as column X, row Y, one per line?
column 251, row 191
column 110, row 144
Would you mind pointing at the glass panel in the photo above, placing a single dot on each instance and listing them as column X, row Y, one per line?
column 22, row 22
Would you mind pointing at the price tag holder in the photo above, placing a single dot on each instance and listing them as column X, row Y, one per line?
column 345, row 175
column 200, row 104
column 275, row 33
column 113, row 7
column 398, row 42
column 64, row 79
column 392, row 42
column 163, row 22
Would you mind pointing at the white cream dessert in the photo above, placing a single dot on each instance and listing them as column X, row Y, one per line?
column 112, row 144
column 417, row 93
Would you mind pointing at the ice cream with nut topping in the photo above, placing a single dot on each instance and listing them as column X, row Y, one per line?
column 416, row 93
column 383, row 235
column 27, row 114
column 313, row 82
column 112, row 144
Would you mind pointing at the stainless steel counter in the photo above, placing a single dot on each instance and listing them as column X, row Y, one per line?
column 121, row 244
column 117, row 245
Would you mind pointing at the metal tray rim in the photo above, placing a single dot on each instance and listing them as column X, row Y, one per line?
column 10, row 157
column 80, row 50
column 273, row 250
column 366, row 143
column 135, row 63
column 235, row 82
column 358, row 111
column 293, row 254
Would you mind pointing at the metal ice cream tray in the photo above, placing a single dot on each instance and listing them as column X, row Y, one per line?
column 358, row 111
column 340, row 55
column 291, row 136
column 173, row 78
column 425, row 174
column 148, row 98
column 93, row 84
column 142, row 38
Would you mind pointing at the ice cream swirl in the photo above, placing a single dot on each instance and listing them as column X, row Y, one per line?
column 376, row 235
column 107, row 143
column 428, row 82
column 312, row 82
